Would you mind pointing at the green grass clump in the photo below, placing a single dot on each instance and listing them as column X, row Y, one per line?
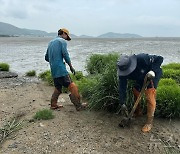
column 4, row 67
column 104, row 93
column 43, row 75
column 172, row 70
column 46, row 76
column 168, row 92
column 97, row 63
column 171, row 73
column 167, row 82
column 44, row 114
column 9, row 128
column 174, row 66
column 49, row 79
column 78, row 76
column 86, row 85
column 168, row 99
column 31, row 73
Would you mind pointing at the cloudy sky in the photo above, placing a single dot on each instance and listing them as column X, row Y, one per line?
column 94, row 17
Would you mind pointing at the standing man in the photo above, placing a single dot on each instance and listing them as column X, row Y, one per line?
column 56, row 53
column 135, row 67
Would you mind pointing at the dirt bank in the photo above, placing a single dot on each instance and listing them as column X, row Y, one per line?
column 75, row 132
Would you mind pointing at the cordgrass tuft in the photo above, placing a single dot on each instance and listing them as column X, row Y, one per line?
column 44, row 114
column 31, row 73
column 4, row 67
column 97, row 63
column 168, row 98
column 9, row 128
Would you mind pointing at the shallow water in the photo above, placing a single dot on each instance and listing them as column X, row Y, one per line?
column 27, row 53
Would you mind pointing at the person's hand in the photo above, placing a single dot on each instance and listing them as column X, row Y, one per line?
column 150, row 75
column 72, row 70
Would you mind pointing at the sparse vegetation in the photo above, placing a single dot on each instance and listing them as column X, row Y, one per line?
column 46, row 76
column 4, row 67
column 9, row 128
column 44, row 114
column 31, row 73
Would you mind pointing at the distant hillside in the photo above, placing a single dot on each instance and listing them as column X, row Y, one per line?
column 85, row 36
column 118, row 35
column 10, row 30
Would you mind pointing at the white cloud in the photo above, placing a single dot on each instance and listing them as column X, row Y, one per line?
column 93, row 17
column 159, row 20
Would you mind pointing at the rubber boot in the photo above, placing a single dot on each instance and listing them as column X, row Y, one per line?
column 138, row 111
column 54, row 99
column 75, row 97
column 151, row 106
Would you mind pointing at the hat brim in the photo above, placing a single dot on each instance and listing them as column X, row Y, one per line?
column 131, row 68
column 68, row 38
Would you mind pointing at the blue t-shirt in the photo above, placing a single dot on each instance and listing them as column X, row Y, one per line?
column 56, row 52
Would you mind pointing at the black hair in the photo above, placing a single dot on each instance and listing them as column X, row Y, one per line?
column 60, row 32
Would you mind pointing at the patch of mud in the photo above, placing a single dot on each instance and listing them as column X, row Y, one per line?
column 72, row 132
column 5, row 74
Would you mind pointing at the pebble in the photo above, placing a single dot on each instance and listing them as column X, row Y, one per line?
column 41, row 125
column 14, row 145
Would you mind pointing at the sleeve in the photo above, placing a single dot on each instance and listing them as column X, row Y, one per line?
column 65, row 53
column 156, row 62
column 122, row 90
column 47, row 56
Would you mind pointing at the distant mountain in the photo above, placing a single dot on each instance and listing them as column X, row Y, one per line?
column 73, row 36
column 10, row 30
column 85, row 36
column 118, row 35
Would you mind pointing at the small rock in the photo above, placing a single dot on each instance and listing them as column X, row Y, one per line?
column 14, row 145
column 61, row 100
column 41, row 125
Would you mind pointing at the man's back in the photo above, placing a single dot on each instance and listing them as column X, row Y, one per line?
column 57, row 50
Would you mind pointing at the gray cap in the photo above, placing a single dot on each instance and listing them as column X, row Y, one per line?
column 126, row 64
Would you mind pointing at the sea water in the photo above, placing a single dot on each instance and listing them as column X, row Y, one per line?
column 24, row 54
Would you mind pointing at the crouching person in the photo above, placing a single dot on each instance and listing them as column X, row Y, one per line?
column 56, row 53
column 136, row 67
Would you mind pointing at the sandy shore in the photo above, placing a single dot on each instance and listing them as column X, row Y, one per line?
column 75, row 132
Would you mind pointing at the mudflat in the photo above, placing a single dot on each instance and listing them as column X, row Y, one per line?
column 71, row 131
